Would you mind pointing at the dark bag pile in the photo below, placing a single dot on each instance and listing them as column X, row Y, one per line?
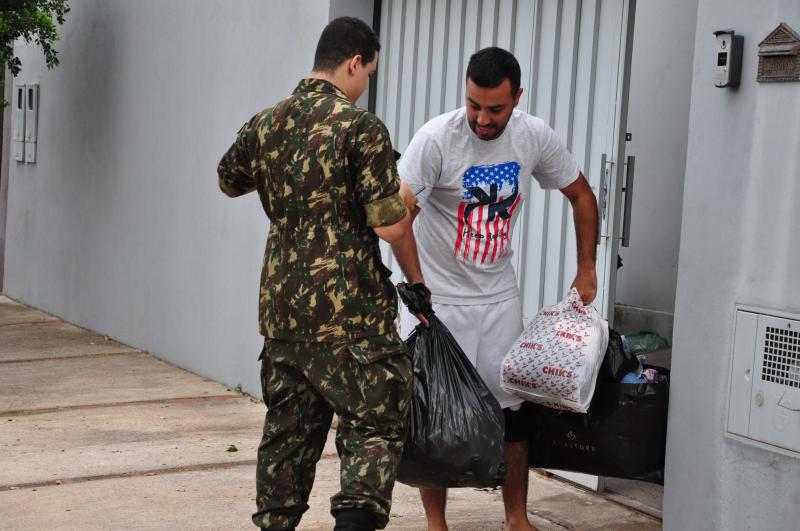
column 624, row 433
column 456, row 426
column 618, row 361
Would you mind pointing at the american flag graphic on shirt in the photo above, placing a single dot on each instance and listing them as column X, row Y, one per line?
column 491, row 194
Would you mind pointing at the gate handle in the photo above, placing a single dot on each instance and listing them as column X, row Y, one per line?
column 601, row 197
column 626, row 220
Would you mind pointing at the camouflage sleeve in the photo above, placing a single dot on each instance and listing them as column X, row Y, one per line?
column 234, row 170
column 376, row 179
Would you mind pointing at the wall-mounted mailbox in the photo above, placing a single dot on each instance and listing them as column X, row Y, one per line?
column 31, row 119
column 18, row 121
column 779, row 56
column 764, row 399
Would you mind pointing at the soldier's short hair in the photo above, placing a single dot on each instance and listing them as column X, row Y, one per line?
column 490, row 66
column 343, row 38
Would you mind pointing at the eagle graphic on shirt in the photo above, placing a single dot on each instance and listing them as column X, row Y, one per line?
column 490, row 197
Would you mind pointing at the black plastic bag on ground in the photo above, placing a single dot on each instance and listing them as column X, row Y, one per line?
column 617, row 361
column 623, row 435
column 456, row 426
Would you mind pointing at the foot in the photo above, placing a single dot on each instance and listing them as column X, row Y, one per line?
column 521, row 526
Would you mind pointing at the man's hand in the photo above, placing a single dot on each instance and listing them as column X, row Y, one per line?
column 422, row 320
column 584, row 207
column 417, row 297
column 586, row 284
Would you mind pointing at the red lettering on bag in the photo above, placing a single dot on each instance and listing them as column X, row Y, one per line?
column 580, row 309
column 556, row 371
column 524, row 383
column 531, row 345
column 569, row 335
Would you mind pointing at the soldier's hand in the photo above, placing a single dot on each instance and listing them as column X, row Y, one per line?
column 423, row 320
column 417, row 297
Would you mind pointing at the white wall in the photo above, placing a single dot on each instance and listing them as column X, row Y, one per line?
column 661, row 76
column 120, row 226
column 739, row 244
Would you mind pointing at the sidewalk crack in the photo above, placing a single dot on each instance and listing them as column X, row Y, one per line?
column 139, row 473
column 41, row 411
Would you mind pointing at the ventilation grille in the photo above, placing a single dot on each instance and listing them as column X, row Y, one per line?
column 781, row 357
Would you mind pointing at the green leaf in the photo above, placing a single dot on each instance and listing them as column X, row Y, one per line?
column 232, row 448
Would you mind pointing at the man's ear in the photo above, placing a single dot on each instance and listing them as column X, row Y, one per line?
column 517, row 96
column 353, row 63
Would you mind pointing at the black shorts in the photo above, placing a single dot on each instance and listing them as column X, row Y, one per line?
column 519, row 424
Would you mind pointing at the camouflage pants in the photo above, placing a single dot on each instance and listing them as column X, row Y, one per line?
column 367, row 383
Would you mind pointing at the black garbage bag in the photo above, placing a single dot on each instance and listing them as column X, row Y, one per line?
column 623, row 435
column 456, row 426
column 617, row 362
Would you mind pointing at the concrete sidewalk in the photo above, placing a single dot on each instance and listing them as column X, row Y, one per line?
column 97, row 435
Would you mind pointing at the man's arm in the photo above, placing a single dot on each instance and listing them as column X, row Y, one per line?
column 584, row 207
column 400, row 236
column 388, row 215
column 405, row 248
column 391, row 220
column 234, row 170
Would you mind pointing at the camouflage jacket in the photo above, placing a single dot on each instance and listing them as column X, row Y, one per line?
column 325, row 172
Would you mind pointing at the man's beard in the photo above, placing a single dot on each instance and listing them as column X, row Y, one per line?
column 495, row 131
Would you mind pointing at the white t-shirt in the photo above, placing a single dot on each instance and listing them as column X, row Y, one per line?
column 471, row 193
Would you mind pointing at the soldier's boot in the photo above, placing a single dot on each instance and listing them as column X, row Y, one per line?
column 355, row 520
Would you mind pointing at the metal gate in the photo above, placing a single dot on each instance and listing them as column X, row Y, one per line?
column 575, row 57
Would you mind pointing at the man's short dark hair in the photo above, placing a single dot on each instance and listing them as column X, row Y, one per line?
column 343, row 38
column 489, row 67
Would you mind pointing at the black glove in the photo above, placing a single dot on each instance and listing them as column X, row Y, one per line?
column 417, row 297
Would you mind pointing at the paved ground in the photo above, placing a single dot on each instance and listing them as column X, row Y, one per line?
column 97, row 435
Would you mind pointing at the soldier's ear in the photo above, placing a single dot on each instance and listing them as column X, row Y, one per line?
column 352, row 64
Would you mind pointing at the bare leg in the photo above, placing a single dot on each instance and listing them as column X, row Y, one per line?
column 515, row 487
column 434, row 502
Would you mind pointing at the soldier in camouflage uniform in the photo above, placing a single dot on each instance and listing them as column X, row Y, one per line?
column 325, row 172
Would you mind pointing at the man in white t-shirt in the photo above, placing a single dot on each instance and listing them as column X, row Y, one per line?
column 465, row 175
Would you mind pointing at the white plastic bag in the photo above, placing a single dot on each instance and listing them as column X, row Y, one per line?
column 556, row 360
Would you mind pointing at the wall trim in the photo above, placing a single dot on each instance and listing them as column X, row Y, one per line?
column 373, row 82
column 5, row 156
